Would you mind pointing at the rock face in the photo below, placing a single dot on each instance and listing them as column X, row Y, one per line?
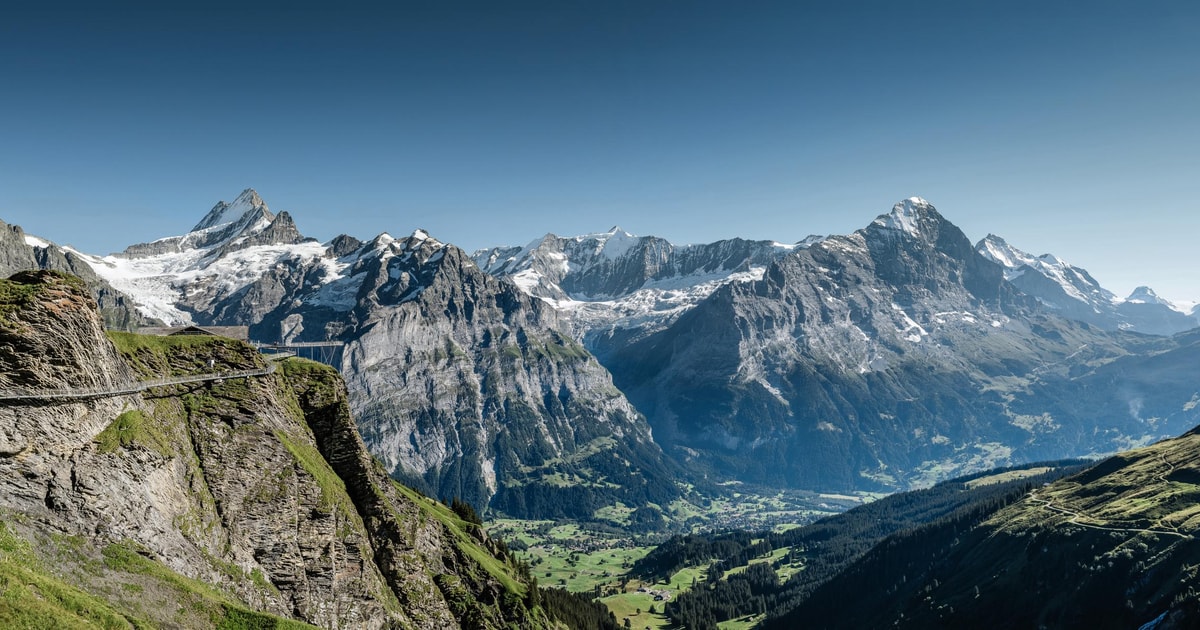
column 487, row 399
column 1073, row 293
column 887, row 358
column 258, row 486
column 612, row 287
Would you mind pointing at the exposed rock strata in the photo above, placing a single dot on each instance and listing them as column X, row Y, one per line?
column 225, row 482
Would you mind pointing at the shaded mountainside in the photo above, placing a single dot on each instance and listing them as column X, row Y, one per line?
column 1111, row 547
column 214, row 503
column 744, row 568
column 895, row 356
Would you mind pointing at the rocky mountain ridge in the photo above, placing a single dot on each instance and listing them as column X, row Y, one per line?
column 1075, row 294
column 893, row 356
column 488, row 401
column 230, row 500
column 890, row 357
column 613, row 286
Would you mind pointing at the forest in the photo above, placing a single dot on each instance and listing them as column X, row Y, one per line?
column 825, row 548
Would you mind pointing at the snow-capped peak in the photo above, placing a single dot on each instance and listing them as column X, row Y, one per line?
column 905, row 216
column 421, row 238
column 999, row 251
column 1146, row 295
column 225, row 213
column 618, row 243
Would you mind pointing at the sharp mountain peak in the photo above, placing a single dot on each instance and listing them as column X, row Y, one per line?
column 223, row 213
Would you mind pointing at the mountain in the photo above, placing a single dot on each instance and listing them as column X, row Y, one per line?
column 889, row 358
column 241, row 496
column 612, row 287
column 488, row 400
column 1075, row 294
column 892, row 357
column 462, row 384
column 1111, row 547
column 238, row 261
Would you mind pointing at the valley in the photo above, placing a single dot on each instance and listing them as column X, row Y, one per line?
column 625, row 315
column 712, row 436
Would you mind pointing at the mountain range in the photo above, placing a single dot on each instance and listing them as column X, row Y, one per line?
column 578, row 372
column 239, row 494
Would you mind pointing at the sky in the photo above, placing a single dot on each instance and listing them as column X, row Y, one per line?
column 1070, row 128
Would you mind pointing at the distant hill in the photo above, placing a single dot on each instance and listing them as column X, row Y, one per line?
column 1112, row 547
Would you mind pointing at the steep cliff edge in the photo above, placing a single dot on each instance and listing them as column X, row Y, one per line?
column 212, row 503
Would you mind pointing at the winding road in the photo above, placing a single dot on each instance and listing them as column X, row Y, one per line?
column 1076, row 515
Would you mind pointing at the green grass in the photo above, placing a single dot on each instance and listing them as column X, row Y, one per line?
column 15, row 296
column 769, row 558
column 582, row 572
column 333, row 488
column 1011, row 475
column 133, row 428
column 305, row 368
column 636, row 608
column 159, row 356
column 32, row 598
column 627, row 603
column 220, row 610
column 465, row 543
column 132, row 343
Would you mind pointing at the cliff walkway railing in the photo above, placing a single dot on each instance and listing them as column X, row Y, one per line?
column 76, row 393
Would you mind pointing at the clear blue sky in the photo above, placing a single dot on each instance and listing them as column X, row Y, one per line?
column 1070, row 129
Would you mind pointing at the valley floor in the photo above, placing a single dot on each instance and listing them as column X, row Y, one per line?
column 596, row 557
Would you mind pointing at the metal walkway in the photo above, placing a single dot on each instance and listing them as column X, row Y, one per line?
column 78, row 393
column 327, row 352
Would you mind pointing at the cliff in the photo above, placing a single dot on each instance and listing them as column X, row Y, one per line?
column 212, row 503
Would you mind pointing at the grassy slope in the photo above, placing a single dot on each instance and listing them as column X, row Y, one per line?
column 111, row 587
column 1111, row 547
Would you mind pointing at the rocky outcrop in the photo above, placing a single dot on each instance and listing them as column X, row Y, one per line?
column 15, row 254
column 488, row 399
column 235, row 482
column 21, row 253
column 433, row 556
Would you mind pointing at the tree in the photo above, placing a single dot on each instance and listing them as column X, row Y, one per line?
column 465, row 511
